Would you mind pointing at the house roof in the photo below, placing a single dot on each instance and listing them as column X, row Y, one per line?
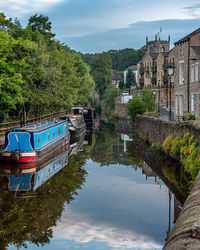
column 186, row 38
column 116, row 75
column 153, row 55
column 165, row 54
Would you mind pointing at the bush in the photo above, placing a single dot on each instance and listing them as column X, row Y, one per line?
column 188, row 116
column 186, row 150
column 149, row 99
column 136, row 106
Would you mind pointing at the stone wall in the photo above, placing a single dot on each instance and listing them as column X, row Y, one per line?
column 158, row 129
column 120, row 110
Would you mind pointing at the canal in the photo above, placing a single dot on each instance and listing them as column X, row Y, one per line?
column 110, row 193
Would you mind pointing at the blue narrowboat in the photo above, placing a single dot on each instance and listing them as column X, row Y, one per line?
column 35, row 142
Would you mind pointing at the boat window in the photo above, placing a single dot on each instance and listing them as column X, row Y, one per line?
column 65, row 127
column 53, row 133
column 59, row 130
column 49, row 171
column 38, row 140
column 48, row 135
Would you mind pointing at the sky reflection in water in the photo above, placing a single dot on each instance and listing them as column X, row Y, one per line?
column 116, row 209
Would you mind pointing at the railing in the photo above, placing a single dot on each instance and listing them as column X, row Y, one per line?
column 141, row 81
column 153, row 69
column 153, row 80
column 164, row 79
column 164, row 67
column 10, row 125
column 141, row 70
column 146, row 69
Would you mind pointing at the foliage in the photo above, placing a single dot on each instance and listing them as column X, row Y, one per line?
column 121, row 59
column 136, row 106
column 10, row 78
column 149, row 99
column 188, row 116
column 31, row 219
column 184, row 148
column 38, row 73
column 101, row 70
column 130, row 78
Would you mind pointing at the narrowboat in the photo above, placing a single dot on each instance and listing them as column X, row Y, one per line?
column 76, row 124
column 34, row 178
column 35, row 142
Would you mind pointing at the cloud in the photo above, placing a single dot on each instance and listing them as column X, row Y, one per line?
column 17, row 8
column 193, row 10
column 132, row 36
column 81, row 229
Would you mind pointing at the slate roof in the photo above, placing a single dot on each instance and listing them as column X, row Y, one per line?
column 186, row 38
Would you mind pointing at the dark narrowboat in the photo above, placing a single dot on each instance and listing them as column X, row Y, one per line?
column 35, row 142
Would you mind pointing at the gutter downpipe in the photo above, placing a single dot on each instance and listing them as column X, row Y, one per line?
column 188, row 76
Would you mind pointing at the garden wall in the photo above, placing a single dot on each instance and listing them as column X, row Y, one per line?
column 157, row 129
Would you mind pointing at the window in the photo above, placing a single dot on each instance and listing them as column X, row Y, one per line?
column 59, row 130
column 196, row 72
column 177, row 105
column 192, row 104
column 192, row 73
column 181, row 49
column 181, row 105
column 181, row 73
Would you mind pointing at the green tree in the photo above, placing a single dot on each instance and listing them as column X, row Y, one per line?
column 130, row 78
column 101, row 70
column 149, row 99
column 10, row 78
column 136, row 106
column 42, row 24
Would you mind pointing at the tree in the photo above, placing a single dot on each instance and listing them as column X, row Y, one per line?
column 10, row 78
column 42, row 24
column 130, row 78
column 149, row 99
column 136, row 106
column 101, row 70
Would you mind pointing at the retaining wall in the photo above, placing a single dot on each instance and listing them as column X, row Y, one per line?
column 185, row 234
column 120, row 110
column 158, row 129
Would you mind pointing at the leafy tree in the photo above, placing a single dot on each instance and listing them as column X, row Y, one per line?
column 10, row 78
column 121, row 85
column 110, row 97
column 42, row 24
column 136, row 106
column 149, row 99
column 130, row 78
column 101, row 70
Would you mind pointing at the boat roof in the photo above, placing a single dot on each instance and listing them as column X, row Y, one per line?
column 39, row 126
column 77, row 108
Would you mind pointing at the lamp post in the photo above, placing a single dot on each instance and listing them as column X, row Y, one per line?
column 158, row 96
column 170, row 73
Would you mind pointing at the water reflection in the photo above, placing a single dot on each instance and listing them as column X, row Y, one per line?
column 113, row 194
column 30, row 219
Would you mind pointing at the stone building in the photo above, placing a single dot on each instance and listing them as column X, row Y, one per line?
column 186, row 77
column 152, row 70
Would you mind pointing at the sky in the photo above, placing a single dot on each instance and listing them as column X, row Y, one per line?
column 91, row 26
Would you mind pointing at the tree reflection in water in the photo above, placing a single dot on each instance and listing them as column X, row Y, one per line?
column 31, row 219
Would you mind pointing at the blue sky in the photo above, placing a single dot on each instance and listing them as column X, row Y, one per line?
column 99, row 25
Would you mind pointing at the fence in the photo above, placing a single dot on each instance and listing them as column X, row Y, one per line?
column 9, row 125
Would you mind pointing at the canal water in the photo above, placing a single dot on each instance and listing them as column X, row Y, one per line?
column 103, row 196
